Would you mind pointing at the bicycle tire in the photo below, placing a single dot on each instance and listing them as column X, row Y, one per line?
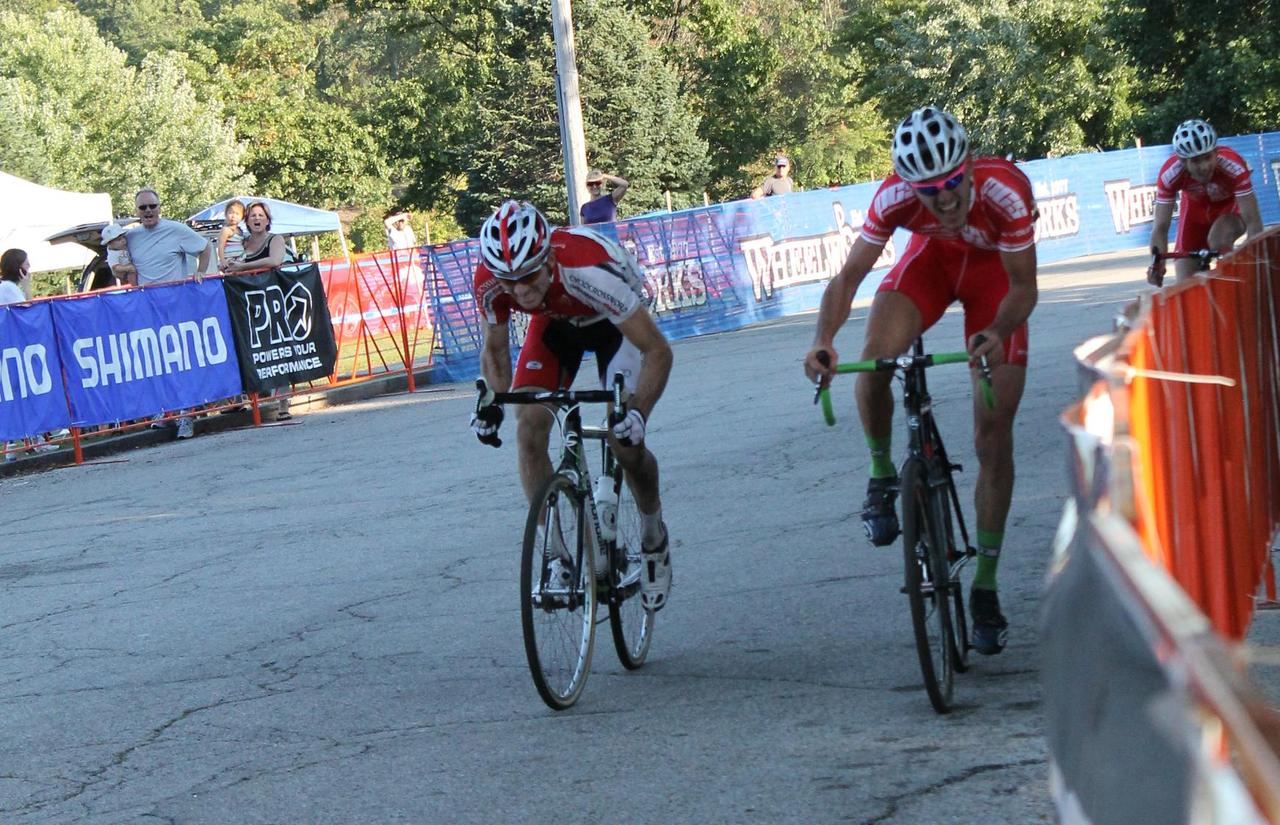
column 558, row 624
column 959, row 622
column 631, row 624
column 923, row 556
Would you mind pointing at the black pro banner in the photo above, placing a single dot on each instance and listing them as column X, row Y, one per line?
column 281, row 324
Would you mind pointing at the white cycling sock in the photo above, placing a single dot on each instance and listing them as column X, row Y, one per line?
column 653, row 529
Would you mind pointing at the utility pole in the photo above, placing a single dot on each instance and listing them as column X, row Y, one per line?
column 573, row 144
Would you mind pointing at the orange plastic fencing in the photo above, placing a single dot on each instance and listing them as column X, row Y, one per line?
column 1204, row 412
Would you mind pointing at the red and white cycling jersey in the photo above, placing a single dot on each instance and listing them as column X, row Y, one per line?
column 593, row 278
column 1001, row 217
column 1230, row 180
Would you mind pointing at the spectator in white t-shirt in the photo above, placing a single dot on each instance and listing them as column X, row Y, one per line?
column 164, row 250
column 399, row 233
column 15, row 277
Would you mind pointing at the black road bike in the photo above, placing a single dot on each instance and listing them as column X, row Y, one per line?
column 932, row 520
column 599, row 552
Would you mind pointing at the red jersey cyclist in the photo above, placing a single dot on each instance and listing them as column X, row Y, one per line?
column 1217, row 204
column 972, row 221
column 582, row 292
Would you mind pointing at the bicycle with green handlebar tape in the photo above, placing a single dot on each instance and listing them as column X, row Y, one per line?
column 935, row 539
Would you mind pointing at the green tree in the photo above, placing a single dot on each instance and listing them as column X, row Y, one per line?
column 1031, row 77
column 87, row 120
column 1212, row 60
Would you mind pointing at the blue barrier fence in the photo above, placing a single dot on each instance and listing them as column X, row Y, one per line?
column 720, row 267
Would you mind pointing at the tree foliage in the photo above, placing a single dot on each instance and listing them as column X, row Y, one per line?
column 1030, row 77
column 83, row 118
column 447, row 106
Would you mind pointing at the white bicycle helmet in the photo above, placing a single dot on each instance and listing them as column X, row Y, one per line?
column 515, row 240
column 928, row 143
column 1194, row 137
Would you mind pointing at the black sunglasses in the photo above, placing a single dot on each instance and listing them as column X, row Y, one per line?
column 147, row 207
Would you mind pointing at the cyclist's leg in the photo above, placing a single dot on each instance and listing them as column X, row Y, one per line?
column 615, row 354
column 910, row 299
column 1227, row 226
column 548, row 360
column 1193, row 234
column 985, row 286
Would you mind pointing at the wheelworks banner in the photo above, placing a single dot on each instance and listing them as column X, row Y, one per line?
column 130, row 353
column 32, row 397
column 282, row 329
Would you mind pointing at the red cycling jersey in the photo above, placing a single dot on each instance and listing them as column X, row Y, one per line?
column 592, row 279
column 1230, row 180
column 1001, row 217
column 943, row 265
column 595, row 284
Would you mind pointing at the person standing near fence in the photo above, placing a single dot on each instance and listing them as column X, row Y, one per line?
column 163, row 250
column 1217, row 204
column 779, row 183
column 15, row 277
column 603, row 206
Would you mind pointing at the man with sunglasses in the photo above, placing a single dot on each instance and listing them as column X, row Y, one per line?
column 973, row 239
column 161, row 249
column 582, row 292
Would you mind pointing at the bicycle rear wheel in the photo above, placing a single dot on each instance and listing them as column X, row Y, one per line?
column 558, row 619
column 631, row 624
column 926, row 583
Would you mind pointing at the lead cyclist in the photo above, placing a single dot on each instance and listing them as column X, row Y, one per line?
column 583, row 293
column 973, row 239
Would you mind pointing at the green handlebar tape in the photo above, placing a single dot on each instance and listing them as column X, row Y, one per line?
column 856, row 366
column 988, row 394
column 950, row 357
column 828, row 414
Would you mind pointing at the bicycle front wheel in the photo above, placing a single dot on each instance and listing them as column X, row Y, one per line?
column 928, row 583
column 557, row 612
column 631, row 624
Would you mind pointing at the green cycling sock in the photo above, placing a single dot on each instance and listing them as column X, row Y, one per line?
column 881, row 457
column 988, row 557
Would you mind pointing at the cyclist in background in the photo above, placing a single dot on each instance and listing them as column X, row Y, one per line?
column 1217, row 204
column 582, row 292
column 972, row 221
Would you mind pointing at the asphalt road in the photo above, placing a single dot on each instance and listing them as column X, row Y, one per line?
column 318, row 622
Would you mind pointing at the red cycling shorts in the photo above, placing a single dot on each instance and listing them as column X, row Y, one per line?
column 1195, row 217
column 553, row 351
column 935, row 273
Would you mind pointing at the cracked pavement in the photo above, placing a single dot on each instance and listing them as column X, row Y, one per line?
column 318, row 622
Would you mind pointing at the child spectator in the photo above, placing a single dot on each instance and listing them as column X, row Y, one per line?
column 231, row 239
column 118, row 259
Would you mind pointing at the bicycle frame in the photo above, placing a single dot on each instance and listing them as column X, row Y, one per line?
column 925, row 442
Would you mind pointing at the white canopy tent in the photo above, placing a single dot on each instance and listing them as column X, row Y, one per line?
column 286, row 218
column 29, row 213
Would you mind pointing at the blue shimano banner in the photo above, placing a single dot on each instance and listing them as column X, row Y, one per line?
column 130, row 353
column 32, row 397
column 721, row 267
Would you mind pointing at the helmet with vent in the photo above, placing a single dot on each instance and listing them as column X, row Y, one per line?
column 1193, row 138
column 515, row 240
column 928, row 143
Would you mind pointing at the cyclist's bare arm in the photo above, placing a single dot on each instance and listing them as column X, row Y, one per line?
column 641, row 330
column 1161, row 217
column 1249, row 213
column 834, row 310
column 495, row 357
column 1016, row 306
